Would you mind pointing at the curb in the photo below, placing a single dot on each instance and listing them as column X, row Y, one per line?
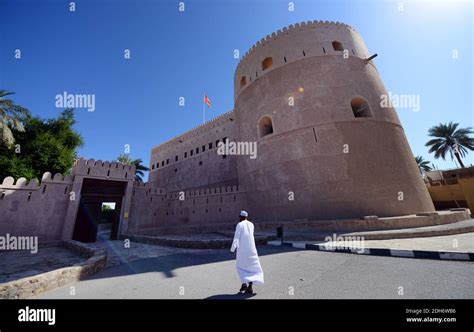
column 37, row 284
column 189, row 243
column 401, row 253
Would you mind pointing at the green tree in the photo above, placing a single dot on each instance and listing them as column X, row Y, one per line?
column 448, row 138
column 423, row 165
column 11, row 117
column 139, row 168
column 43, row 146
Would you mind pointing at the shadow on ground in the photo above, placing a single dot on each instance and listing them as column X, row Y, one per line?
column 236, row 296
column 169, row 263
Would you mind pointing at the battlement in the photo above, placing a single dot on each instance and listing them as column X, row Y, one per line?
column 196, row 131
column 34, row 184
column 99, row 168
column 291, row 28
column 296, row 42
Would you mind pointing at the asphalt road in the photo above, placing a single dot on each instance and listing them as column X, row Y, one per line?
column 289, row 273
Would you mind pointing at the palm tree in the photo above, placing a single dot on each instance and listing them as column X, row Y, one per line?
column 448, row 138
column 11, row 116
column 139, row 168
column 423, row 165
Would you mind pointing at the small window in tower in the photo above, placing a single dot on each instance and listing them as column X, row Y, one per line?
column 176, row 158
column 203, row 148
column 197, row 150
column 163, row 163
column 153, row 166
column 185, row 155
column 243, row 81
column 337, row 46
column 167, row 161
column 157, row 164
column 267, row 63
column 360, row 108
column 265, row 126
column 210, row 146
column 191, row 152
column 284, row 59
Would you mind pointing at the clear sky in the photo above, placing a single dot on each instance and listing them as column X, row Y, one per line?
column 174, row 54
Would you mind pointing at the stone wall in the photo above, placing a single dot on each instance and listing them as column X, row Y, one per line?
column 154, row 211
column 34, row 209
column 195, row 152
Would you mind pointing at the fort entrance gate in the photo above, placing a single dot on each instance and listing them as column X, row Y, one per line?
column 93, row 193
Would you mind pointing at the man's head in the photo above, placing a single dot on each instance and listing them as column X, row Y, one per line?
column 243, row 215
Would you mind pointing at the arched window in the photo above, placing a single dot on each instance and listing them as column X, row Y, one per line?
column 243, row 81
column 267, row 63
column 337, row 46
column 265, row 126
column 360, row 108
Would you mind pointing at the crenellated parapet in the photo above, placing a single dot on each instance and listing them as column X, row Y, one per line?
column 103, row 169
column 294, row 43
column 196, row 131
column 292, row 28
column 23, row 184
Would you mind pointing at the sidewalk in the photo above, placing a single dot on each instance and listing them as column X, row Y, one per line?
column 450, row 247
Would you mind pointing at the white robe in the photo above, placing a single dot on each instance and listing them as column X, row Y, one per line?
column 248, row 264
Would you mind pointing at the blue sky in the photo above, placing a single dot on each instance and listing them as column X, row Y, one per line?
column 188, row 53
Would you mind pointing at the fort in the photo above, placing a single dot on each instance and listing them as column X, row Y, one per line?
column 309, row 97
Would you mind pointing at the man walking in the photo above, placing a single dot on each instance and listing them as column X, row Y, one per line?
column 248, row 264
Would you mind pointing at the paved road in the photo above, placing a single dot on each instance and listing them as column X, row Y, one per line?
column 289, row 273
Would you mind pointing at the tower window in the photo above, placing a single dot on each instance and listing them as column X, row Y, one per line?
column 243, row 81
column 337, row 46
column 185, row 155
column 176, row 158
column 360, row 108
column 265, row 126
column 267, row 63
column 210, row 145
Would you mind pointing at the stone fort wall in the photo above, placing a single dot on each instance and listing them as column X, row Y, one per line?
column 190, row 161
column 154, row 211
column 48, row 209
column 33, row 208
column 333, row 152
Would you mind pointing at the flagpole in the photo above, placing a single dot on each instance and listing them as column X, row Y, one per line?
column 204, row 108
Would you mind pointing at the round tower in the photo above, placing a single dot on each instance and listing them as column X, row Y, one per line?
column 326, row 149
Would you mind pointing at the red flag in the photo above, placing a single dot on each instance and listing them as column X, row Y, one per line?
column 207, row 101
